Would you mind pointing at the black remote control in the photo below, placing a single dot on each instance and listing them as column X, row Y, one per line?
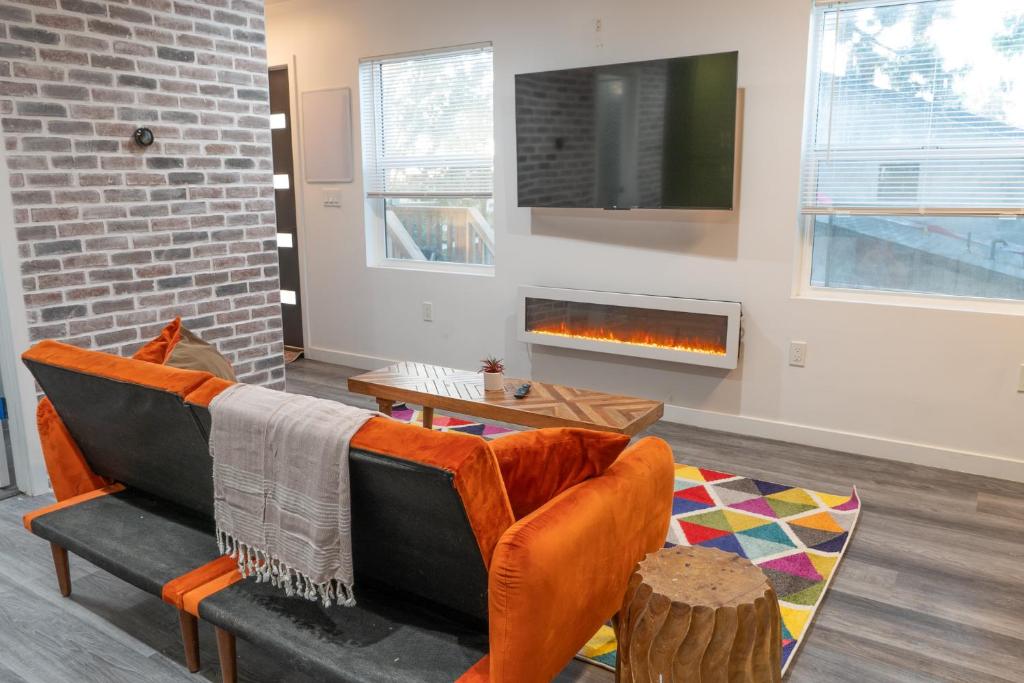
column 522, row 391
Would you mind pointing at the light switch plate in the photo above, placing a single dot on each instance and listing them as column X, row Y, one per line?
column 332, row 199
column 1020, row 384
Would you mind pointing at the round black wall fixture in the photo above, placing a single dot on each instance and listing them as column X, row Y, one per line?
column 143, row 136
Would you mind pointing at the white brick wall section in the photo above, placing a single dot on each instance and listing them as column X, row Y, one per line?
column 116, row 239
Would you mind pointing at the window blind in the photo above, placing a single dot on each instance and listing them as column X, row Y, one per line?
column 427, row 124
column 915, row 107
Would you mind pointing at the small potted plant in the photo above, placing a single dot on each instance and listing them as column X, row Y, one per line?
column 493, row 369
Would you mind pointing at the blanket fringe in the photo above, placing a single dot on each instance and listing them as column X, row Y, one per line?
column 268, row 569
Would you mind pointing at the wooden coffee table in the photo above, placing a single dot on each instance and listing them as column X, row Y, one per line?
column 462, row 391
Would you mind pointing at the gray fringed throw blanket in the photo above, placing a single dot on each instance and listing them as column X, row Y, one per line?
column 281, row 489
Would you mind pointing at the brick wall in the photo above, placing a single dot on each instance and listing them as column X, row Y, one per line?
column 116, row 239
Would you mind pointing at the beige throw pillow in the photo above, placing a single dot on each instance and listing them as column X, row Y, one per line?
column 192, row 353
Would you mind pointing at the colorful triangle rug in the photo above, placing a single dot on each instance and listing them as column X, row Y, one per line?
column 448, row 423
column 796, row 536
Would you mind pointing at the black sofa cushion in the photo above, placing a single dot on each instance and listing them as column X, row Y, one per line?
column 135, row 536
column 385, row 637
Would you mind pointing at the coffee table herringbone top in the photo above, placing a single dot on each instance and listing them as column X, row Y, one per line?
column 462, row 391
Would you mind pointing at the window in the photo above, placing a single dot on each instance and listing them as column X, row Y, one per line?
column 898, row 183
column 428, row 157
column 913, row 166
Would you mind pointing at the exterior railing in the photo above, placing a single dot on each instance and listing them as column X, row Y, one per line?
column 439, row 233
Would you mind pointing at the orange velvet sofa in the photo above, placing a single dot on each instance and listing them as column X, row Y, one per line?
column 450, row 585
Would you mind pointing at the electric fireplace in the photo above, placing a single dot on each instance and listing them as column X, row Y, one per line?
column 692, row 331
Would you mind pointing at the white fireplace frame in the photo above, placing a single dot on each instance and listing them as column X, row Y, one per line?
column 731, row 310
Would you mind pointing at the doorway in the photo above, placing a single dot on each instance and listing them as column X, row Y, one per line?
column 284, row 198
column 6, row 454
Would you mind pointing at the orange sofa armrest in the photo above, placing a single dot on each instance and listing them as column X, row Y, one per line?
column 69, row 473
column 560, row 573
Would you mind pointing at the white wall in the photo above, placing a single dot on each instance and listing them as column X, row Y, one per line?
column 29, row 469
column 908, row 382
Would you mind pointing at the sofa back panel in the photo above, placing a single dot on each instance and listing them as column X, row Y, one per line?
column 138, row 435
column 476, row 475
column 202, row 416
column 410, row 530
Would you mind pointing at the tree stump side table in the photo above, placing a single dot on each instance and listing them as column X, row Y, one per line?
column 698, row 615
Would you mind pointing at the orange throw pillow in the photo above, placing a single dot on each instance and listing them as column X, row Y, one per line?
column 158, row 350
column 537, row 465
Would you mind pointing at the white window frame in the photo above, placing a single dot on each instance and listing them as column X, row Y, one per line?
column 802, row 287
column 374, row 220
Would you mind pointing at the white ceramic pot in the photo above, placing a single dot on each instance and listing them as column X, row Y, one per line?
column 494, row 381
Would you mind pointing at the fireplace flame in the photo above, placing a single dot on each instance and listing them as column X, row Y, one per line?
column 638, row 337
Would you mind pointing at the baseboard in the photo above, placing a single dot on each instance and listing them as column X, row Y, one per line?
column 969, row 462
column 352, row 360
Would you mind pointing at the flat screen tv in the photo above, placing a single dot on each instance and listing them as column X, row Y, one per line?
column 653, row 135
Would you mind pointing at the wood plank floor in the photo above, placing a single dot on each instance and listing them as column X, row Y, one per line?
column 932, row 588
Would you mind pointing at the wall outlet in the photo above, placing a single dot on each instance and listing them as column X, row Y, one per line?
column 428, row 311
column 797, row 353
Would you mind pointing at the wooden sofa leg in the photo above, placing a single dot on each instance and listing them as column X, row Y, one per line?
column 190, row 639
column 226, row 650
column 60, row 563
